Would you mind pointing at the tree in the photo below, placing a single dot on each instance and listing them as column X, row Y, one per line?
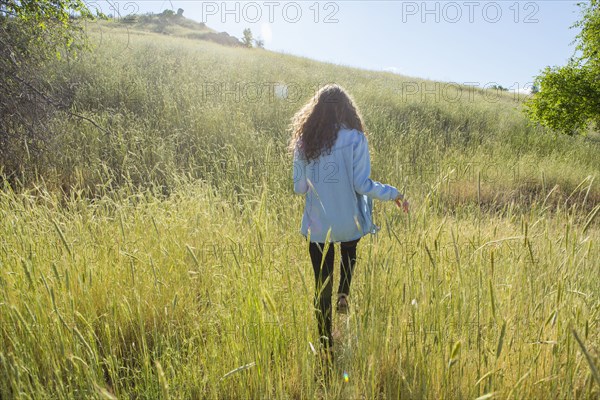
column 247, row 39
column 180, row 12
column 498, row 87
column 32, row 32
column 534, row 89
column 259, row 43
column 568, row 99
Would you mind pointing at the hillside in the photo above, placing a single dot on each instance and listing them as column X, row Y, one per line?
column 171, row 25
column 190, row 96
column 149, row 248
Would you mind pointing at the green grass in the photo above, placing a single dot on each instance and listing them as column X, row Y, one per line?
column 153, row 260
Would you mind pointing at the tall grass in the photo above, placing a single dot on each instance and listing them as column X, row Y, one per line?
column 162, row 259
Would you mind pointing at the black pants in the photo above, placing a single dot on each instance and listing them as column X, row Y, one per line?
column 323, row 268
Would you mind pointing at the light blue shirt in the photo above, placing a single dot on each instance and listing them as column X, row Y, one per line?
column 338, row 191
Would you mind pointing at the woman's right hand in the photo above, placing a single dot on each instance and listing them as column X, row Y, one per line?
column 401, row 203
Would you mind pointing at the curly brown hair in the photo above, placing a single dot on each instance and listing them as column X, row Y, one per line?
column 315, row 127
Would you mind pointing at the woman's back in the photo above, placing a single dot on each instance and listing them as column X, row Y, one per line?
column 338, row 190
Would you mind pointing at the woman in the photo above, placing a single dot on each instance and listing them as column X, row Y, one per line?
column 331, row 168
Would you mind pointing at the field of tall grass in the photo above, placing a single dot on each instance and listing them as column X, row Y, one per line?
column 160, row 257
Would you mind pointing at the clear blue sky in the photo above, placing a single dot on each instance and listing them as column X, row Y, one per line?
column 506, row 42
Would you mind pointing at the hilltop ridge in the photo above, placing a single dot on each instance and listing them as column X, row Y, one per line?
column 174, row 24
